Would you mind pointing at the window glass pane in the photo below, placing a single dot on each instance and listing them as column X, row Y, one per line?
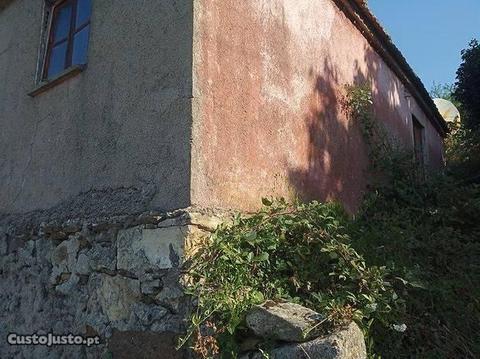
column 80, row 46
column 56, row 62
column 84, row 9
column 62, row 22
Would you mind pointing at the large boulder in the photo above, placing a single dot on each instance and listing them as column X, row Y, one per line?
column 344, row 343
column 298, row 333
column 287, row 322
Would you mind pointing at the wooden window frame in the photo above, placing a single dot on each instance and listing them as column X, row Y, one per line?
column 73, row 30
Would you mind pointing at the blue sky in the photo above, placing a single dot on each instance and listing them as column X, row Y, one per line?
column 430, row 33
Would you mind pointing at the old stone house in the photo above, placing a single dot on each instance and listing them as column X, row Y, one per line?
column 117, row 115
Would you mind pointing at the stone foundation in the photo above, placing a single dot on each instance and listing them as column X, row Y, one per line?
column 117, row 277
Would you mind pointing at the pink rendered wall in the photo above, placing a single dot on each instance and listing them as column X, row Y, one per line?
column 267, row 115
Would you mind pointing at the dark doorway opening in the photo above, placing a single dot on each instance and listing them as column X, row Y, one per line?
column 418, row 143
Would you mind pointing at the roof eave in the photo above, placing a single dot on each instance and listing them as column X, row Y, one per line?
column 358, row 12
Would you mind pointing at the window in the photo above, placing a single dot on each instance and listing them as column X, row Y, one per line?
column 68, row 36
column 418, row 143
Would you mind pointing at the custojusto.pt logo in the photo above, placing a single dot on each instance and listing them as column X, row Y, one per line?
column 51, row 339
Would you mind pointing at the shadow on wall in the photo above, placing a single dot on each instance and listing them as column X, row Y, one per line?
column 337, row 161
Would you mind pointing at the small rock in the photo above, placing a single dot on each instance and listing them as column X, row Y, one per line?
column 207, row 222
column 67, row 287
column 170, row 297
column 83, row 264
column 148, row 314
column 172, row 222
column 60, row 254
column 102, row 257
column 65, row 254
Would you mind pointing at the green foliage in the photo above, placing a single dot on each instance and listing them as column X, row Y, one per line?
column 468, row 85
column 462, row 146
column 427, row 231
column 406, row 268
column 445, row 91
column 392, row 167
column 430, row 236
column 462, row 150
column 358, row 104
column 300, row 253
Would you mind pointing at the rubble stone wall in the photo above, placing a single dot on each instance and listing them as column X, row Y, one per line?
column 117, row 277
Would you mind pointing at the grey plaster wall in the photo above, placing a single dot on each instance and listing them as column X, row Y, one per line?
column 124, row 122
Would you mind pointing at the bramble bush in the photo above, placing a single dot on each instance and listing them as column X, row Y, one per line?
column 300, row 253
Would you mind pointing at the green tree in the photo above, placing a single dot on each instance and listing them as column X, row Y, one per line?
column 463, row 143
column 444, row 91
column 467, row 90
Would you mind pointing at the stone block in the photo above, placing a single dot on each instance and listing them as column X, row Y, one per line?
column 68, row 287
column 65, row 254
column 102, row 257
column 284, row 321
column 209, row 222
column 117, row 295
column 148, row 314
column 83, row 264
column 171, row 297
column 141, row 250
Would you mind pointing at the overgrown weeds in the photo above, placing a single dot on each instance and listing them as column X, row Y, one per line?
column 300, row 253
column 428, row 235
column 427, row 230
column 406, row 268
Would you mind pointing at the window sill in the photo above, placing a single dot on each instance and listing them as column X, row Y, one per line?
column 58, row 79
